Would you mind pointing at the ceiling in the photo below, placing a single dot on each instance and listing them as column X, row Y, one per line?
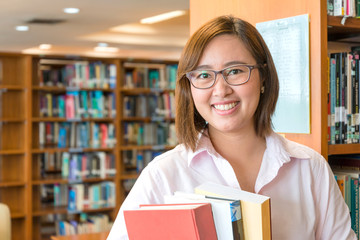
column 115, row 22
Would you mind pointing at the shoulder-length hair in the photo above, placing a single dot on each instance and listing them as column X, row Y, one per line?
column 189, row 123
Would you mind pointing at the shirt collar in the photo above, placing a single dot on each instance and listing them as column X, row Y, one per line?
column 204, row 144
column 276, row 145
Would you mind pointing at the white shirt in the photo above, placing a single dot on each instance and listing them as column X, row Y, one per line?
column 306, row 202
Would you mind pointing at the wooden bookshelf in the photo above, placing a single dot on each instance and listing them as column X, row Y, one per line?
column 342, row 34
column 15, row 73
column 142, row 99
column 78, row 98
column 25, row 175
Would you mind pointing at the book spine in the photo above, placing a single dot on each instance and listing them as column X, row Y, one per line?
column 355, row 205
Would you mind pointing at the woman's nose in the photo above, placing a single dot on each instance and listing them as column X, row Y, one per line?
column 221, row 88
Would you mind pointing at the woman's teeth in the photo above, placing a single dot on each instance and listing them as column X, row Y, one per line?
column 225, row 106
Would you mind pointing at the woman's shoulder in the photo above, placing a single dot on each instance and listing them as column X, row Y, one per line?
column 295, row 149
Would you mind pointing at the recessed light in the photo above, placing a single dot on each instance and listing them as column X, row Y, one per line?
column 22, row 28
column 162, row 17
column 45, row 46
column 71, row 10
column 102, row 44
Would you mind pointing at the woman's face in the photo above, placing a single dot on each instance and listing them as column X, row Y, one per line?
column 227, row 108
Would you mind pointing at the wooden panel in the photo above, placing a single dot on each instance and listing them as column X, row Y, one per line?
column 12, row 136
column 251, row 11
column 259, row 11
column 16, row 100
column 14, row 197
column 17, row 229
column 12, row 70
column 11, row 168
column 344, row 149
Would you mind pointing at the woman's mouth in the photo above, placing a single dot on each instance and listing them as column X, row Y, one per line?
column 225, row 107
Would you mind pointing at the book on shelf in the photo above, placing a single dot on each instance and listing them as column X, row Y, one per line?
column 86, row 224
column 80, row 74
column 91, row 196
column 154, row 76
column 137, row 160
column 348, row 181
column 79, row 166
column 343, row 97
column 171, row 221
column 226, row 213
column 346, row 8
column 76, row 134
column 156, row 105
column 255, row 208
column 78, row 104
column 154, row 133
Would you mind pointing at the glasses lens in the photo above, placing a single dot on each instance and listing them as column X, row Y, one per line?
column 201, row 78
column 237, row 74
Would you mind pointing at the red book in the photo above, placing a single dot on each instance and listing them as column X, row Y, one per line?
column 70, row 106
column 104, row 135
column 171, row 221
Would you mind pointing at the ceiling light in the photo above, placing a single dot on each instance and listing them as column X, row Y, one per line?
column 71, row 10
column 22, row 28
column 106, row 49
column 103, row 44
column 162, row 17
column 45, row 46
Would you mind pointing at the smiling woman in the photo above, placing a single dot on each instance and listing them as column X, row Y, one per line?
column 226, row 93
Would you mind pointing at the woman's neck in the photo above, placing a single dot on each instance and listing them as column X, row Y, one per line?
column 238, row 146
column 244, row 151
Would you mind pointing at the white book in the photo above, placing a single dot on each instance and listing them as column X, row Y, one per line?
column 226, row 213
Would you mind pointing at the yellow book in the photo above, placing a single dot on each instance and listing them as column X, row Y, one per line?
column 255, row 209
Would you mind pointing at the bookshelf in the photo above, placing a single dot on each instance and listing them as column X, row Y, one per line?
column 341, row 37
column 62, row 134
column 15, row 73
column 147, row 119
column 73, row 132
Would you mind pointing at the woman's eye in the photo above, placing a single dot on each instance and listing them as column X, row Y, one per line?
column 203, row 76
column 235, row 71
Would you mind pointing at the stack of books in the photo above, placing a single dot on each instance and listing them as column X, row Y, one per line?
column 212, row 212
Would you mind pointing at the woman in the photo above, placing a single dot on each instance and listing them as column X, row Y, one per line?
column 226, row 93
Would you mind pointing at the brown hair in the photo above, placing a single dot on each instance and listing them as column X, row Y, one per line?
column 189, row 123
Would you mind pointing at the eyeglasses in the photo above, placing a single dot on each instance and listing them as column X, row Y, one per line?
column 234, row 75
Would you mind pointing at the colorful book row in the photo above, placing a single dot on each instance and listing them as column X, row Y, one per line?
column 156, row 76
column 79, row 74
column 348, row 8
column 78, row 166
column 343, row 98
column 87, row 224
column 76, row 135
column 152, row 105
column 347, row 174
column 91, row 196
column 154, row 133
column 78, row 104
column 80, row 196
column 138, row 159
